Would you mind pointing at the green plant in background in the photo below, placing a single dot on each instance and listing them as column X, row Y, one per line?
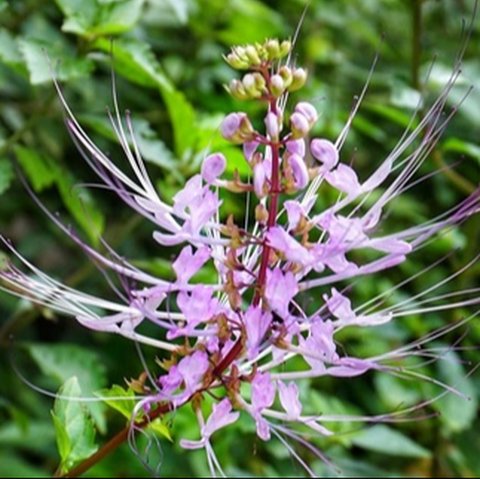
column 43, row 152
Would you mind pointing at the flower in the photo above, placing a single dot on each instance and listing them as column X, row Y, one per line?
column 243, row 327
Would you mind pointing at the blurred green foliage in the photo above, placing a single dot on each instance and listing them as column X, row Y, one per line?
column 167, row 60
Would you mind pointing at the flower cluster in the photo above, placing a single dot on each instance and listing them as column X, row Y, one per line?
column 234, row 336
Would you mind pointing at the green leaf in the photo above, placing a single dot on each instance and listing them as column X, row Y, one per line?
column 117, row 17
column 456, row 413
column 63, row 361
column 160, row 428
column 38, row 55
column 456, row 145
column 92, row 18
column 123, row 401
column 9, row 52
column 118, row 398
column 73, row 426
column 80, row 15
column 395, row 392
column 6, row 174
column 43, row 173
column 182, row 116
column 251, row 21
column 385, row 440
column 33, row 435
column 180, row 7
column 136, row 61
column 152, row 149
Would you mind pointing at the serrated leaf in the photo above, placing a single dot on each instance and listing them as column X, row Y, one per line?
column 37, row 55
column 80, row 15
column 386, row 440
column 118, row 398
column 456, row 413
column 123, row 401
column 117, row 17
column 43, row 173
column 6, row 174
column 73, row 426
column 92, row 18
column 63, row 361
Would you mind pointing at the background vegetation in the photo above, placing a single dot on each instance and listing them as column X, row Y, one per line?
column 167, row 59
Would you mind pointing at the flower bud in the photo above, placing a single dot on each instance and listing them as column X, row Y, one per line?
column 272, row 48
column 296, row 147
column 261, row 214
column 259, row 179
column 272, row 124
column 285, row 48
column 237, row 90
column 308, row 111
column 299, row 171
column 277, row 85
column 260, row 82
column 252, row 55
column 299, row 126
column 286, row 74
column 213, row 166
column 250, row 86
column 325, row 152
column 235, row 61
column 299, row 77
column 236, row 127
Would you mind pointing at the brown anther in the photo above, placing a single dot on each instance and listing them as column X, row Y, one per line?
column 138, row 385
column 261, row 214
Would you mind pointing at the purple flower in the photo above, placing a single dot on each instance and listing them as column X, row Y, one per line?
column 229, row 340
column 280, row 290
column 188, row 263
column 213, row 166
column 221, row 416
column 325, row 152
column 289, row 398
column 256, row 323
column 299, row 170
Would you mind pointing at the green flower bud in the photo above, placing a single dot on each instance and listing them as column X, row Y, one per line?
column 286, row 74
column 237, row 90
column 235, row 62
column 277, row 85
column 299, row 78
column 273, row 49
column 260, row 82
column 248, row 82
column 262, row 52
column 252, row 55
column 285, row 48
